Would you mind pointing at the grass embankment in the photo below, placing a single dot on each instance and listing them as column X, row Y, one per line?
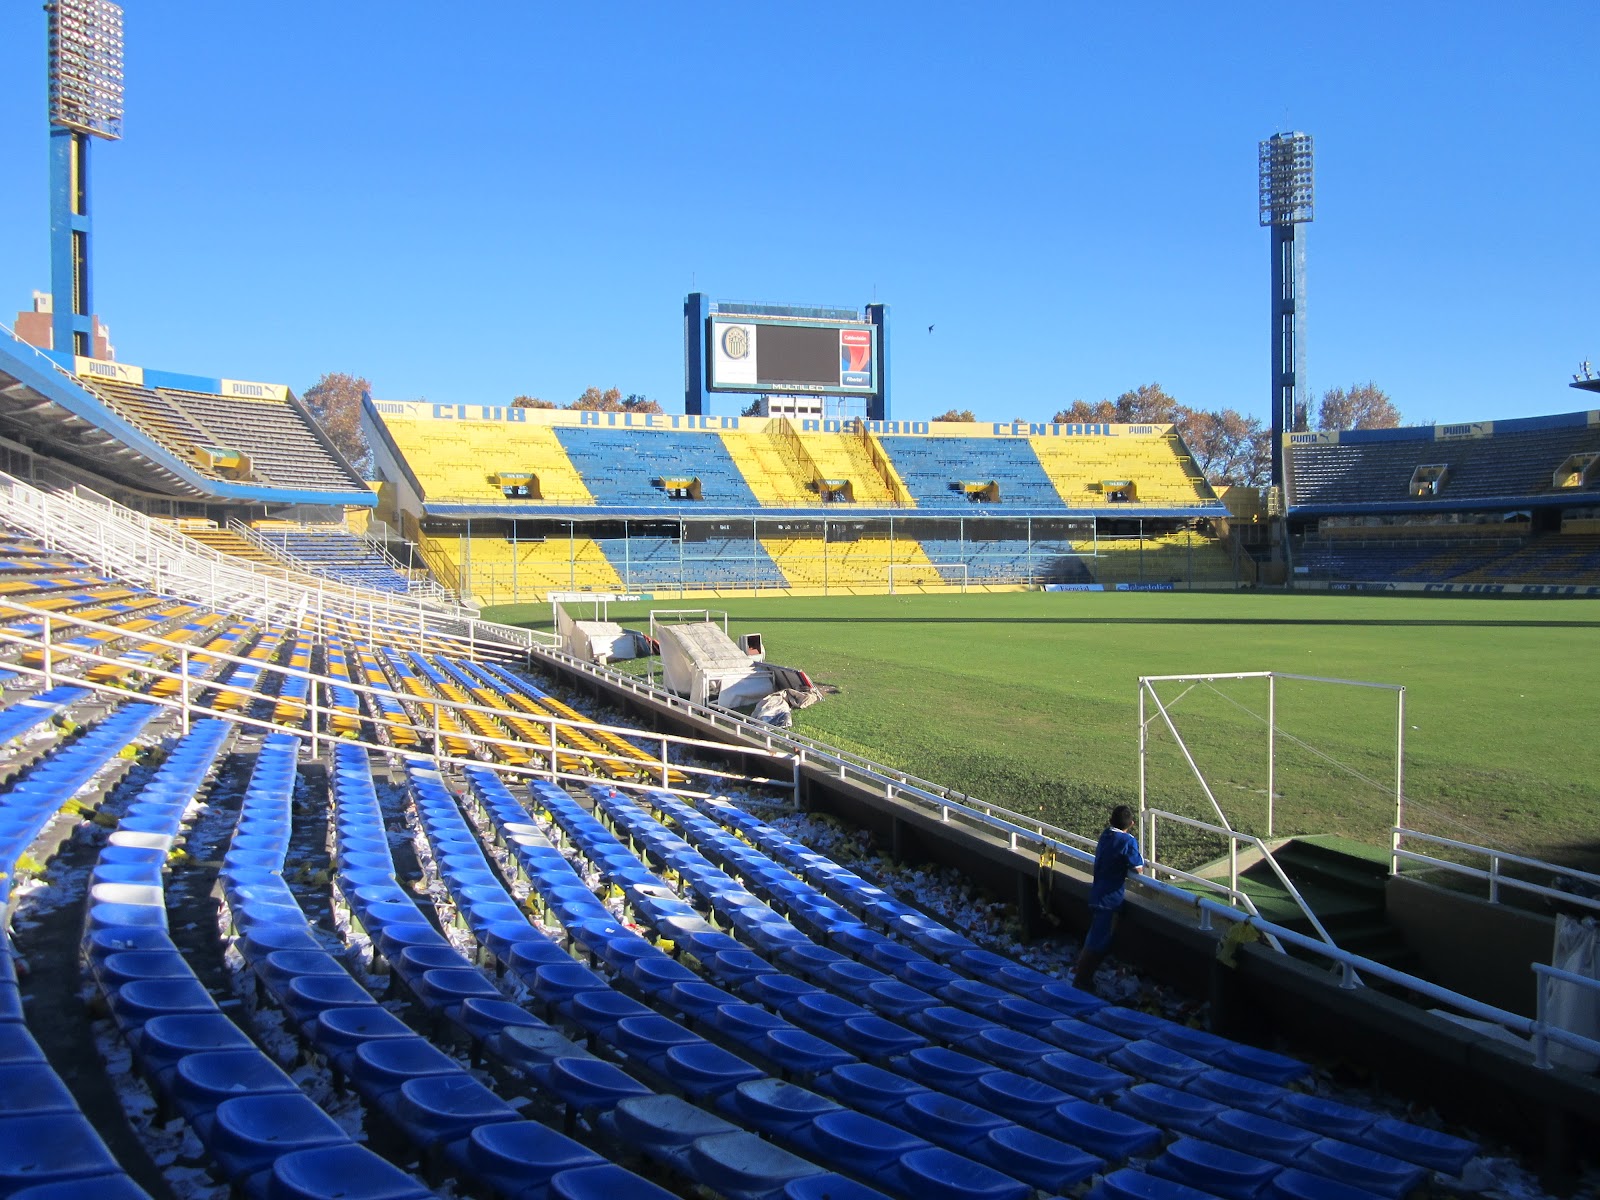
column 1030, row 700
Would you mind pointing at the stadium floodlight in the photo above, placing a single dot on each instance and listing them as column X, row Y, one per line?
column 1286, row 179
column 86, row 66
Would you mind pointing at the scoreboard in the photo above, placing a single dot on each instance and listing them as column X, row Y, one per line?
column 752, row 354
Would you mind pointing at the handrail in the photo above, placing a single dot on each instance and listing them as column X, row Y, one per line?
column 1234, row 838
column 1495, row 877
column 53, row 651
column 132, row 546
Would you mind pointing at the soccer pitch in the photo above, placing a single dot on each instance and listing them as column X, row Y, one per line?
column 1029, row 700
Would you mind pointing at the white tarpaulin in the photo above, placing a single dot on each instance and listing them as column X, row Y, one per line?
column 1573, row 1006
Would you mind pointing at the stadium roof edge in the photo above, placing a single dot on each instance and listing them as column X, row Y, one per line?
column 1423, row 433
column 38, row 374
column 834, row 512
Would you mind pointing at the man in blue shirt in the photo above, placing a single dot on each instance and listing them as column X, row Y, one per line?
column 1115, row 856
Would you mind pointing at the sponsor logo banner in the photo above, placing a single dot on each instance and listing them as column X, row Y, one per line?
column 1074, row 587
column 1469, row 429
column 246, row 390
column 1145, row 587
column 116, row 372
column 855, row 358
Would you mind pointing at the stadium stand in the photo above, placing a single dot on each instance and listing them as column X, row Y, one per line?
column 1504, row 460
column 624, row 467
column 283, row 444
column 666, row 500
column 944, row 472
column 772, row 466
column 334, row 551
column 1152, row 468
column 1478, row 504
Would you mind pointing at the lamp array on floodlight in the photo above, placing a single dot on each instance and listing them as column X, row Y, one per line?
column 86, row 66
column 1286, row 179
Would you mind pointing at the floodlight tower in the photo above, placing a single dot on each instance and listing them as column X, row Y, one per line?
column 1285, row 160
column 85, row 102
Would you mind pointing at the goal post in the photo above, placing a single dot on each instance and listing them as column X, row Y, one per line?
column 915, row 575
column 1153, row 709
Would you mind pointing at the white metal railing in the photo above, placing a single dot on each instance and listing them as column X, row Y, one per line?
column 64, row 664
column 127, row 545
column 1232, row 891
column 425, row 589
column 1495, row 874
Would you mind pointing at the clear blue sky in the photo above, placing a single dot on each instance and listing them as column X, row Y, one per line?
column 465, row 202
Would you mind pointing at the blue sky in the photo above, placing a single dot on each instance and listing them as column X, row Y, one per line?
column 468, row 202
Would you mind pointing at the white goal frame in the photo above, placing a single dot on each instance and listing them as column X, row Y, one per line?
column 1147, row 690
column 940, row 567
column 1163, row 713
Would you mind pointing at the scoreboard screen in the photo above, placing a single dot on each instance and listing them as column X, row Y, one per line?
column 752, row 355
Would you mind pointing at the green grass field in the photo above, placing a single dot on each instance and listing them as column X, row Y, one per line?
column 1030, row 700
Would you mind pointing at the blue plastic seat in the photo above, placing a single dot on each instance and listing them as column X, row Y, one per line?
column 773, row 1106
column 51, row 1148
column 437, row 1109
column 1426, row 1147
column 1104, row 1131
column 142, row 1000
column 1154, row 1061
column 937, row 1174
column 1262, row 1136
column 609, row 1182
column 249, row 1132
column 950, row 1070
column 32, row 1088
column 1128, row 1184
column 702, row 1069
column 1043, row 1161
column 948, row 1024
column 304, row 996
column 382, row 1065
column 1238, row 1091
column 829, row 1186
column 741, row 1164
column 663, row 1124
column 100, row 1187
column 1364, row 1168
column 802, row 1053
column 862, row 1144
column 1128, row 1022
column 951, row 1122
column 1168, row 1107
column 599, row 1011
column 347, row 1172
column 341, row 1031
column 1019, row 1097
column 1215, row 1169
column 1327, row 1117
column 589, row 1083
column 520, row 1157
column 444, row 990
column 1294, row 1184
column 204, row 1080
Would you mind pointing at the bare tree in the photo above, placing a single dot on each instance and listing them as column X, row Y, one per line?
column 1228, row 447
column 1081, row 412
column 335, row 404
column 530, row 402
column 1364, row 406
